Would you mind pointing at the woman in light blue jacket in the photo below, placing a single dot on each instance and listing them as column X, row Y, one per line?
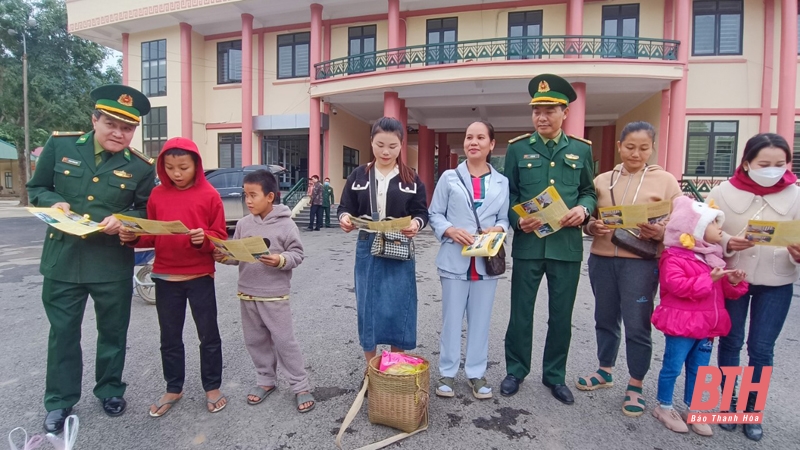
column 466, row 288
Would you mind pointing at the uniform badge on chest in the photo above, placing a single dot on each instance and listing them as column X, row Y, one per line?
column 533, row 156
column 123, row 174
column 71, row 162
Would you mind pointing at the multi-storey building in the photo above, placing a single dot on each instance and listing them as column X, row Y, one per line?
column 298, row 83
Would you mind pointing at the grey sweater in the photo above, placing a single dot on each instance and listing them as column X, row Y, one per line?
column 258, row 279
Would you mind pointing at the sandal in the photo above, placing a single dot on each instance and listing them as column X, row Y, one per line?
column 447, row 382
column 477, row 384
column 259, row 392
column 597, row 380
column 305, row 398
column 634, row 403
column 160, row 405
column 214, row 404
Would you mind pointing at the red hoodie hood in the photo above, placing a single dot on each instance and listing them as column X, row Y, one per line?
column 183, row 144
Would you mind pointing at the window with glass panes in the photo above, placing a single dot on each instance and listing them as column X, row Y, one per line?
column 154, row 131
column 527, row 26
column 229, row 62
column 154, row 68
column 620, row 21
column 362, row 40
column 717, row 27
column 440, row 33
column 796, row 150
column 230, row 150
column 711, row 148
column 293, row 55
column 349, row 161
column 9, row 180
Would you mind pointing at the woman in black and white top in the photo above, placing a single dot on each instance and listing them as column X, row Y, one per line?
column 386, row 289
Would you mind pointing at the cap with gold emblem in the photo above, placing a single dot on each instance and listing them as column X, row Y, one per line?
column 121, row 102
column 551, row 90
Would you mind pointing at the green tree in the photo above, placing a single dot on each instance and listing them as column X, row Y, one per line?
column 62, row 71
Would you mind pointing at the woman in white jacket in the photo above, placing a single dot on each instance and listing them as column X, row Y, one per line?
column 466, row 287
column 761, row 189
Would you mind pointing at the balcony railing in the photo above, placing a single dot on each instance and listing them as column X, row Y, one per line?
column 502, row 49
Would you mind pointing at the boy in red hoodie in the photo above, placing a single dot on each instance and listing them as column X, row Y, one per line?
column 184, row 269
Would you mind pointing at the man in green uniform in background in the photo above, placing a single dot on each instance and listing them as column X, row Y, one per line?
column 327, row 201
column 548, row 157
column 96, row 175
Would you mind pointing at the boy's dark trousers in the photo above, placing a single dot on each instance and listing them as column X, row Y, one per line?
column 316, row 216
column 326, row 213
column 171, row 297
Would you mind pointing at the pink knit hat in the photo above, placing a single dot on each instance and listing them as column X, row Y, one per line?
column 687, row 228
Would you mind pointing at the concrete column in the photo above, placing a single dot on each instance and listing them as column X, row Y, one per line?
column 767, row 67
column 444, row 154
column 787, row 83
column 454, row 160
column 663, row 129
column 247, row 89
column 326, row 147
column 608, row 148
column 394, row 27
column 314, row 123
column 574, row 24
column 125, row 52
column 391, row 105
column 425, row 159
column 404, row 120
column 186, row 80
column 576, row 118
column 677, row 101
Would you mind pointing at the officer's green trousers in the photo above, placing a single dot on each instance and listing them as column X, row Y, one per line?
column 64, row 304
column 562, row 285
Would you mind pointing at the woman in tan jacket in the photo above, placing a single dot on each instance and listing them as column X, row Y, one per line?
column 761, row 189
column 623, row 283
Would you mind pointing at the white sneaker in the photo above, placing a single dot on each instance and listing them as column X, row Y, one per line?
column 671, row 419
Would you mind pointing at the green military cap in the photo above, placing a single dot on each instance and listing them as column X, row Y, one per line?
column 550, row 90
column 121, row 102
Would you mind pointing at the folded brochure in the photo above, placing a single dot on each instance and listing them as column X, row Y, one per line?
column 70, row 223
column 630, row 216
column 151, row 227
column 487, row 244
column 780, row 234
column 248, row 249
column 383, row 225
column 548, row 207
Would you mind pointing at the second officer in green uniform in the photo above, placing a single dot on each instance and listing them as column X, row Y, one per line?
column 548, row 157
column 96, row 175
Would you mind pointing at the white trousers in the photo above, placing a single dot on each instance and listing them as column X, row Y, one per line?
column 475, row 298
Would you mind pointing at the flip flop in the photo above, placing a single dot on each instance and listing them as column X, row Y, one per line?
column 160, row 405
column 305, row 398
column 213, row 403
column 259, row 392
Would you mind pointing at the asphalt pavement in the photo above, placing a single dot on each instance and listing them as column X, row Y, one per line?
column 323, row 305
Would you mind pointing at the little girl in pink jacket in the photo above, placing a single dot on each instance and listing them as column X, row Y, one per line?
column 694, row 286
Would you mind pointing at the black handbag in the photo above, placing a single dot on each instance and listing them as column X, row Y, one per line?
column 390, row 244
column 628, row 240
column 495, row 265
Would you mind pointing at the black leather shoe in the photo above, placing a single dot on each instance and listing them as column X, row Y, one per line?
column 753, row 431
column 114, row 406
column 728, row 426
column 510, row 385
column 734, row 401
column 561, row 392
column 54, row 420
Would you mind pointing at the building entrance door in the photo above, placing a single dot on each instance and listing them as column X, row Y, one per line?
column 291, row 152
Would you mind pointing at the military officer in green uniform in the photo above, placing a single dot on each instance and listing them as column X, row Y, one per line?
column 96, row 175
column 327, row 201
column 548, row 157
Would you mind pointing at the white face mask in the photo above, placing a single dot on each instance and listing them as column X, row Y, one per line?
column 768, row 176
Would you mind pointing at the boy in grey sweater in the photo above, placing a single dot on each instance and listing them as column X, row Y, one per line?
column 264, row 292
